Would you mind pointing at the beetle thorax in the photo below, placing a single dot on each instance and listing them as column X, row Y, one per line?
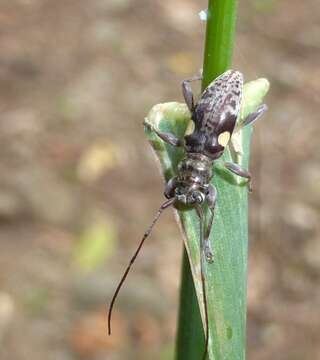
column 194, row 174
column 195, row 169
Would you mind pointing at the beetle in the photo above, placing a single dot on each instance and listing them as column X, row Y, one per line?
column 215, row 119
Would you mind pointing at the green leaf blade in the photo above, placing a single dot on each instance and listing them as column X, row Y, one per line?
column 226, row 278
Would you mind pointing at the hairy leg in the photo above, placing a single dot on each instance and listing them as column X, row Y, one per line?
column 253, row 117
column 211, row 199
column 187, row 91
column 238, row 170
column 166, row 137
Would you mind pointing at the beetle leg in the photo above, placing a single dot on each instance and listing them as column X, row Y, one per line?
column 203, row 278
column 238, row 170
column 211, row 199
column 170, row 187
column 187, row 91
column 166, row 137
column 253, row 117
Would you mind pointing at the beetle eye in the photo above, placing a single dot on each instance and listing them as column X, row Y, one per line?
column 198, row 197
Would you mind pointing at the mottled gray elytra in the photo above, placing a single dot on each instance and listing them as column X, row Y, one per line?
column 214, row 117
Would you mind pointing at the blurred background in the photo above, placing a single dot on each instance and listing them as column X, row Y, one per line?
column 79, row 183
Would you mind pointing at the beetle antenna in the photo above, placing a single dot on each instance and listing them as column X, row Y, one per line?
column 164, row 206
column 204, row 294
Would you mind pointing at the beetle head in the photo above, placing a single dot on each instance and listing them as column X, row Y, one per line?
column 189, row 195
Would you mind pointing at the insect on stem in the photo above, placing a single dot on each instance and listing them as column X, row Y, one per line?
column 215, row 117
column 164, row 206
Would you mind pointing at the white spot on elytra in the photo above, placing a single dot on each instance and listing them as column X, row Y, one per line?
column 224, row 138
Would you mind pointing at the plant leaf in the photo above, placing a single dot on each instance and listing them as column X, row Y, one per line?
column 226, row 278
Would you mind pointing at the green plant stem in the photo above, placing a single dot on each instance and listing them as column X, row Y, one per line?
column 190, row 339
column 219, row 38
column 217, row 58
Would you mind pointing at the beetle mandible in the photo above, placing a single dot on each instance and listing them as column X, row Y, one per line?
column 215, row 119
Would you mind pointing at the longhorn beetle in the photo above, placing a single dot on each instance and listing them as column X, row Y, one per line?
column 215, row 119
